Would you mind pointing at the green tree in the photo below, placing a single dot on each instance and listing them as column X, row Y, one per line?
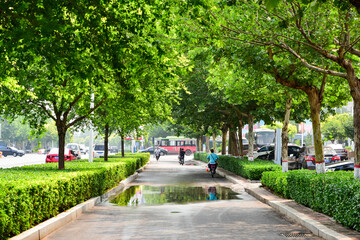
column 334, row 127
column 327, row 29
column 57, row 55
column 15, row 132
column 160, row 131
column 276, row 32
column 349, row 127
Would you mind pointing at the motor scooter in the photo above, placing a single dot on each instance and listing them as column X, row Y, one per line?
column 212, row 170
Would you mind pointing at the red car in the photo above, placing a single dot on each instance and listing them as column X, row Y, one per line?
column 307, row 157
column 53, row 155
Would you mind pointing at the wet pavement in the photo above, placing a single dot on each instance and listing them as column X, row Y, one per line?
column 172, row 212
column 158, row 195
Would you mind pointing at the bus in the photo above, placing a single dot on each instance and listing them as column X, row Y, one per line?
column 173, row 145
column 264, row 137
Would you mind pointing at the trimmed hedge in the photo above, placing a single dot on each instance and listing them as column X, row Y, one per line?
column 142, row 158
column 30, row 195
column 276, row 181
column 336, row 194
column 248, row 169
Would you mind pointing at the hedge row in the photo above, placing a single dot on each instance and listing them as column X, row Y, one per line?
column 30, row 195
column 336, row 194
column 248, row 169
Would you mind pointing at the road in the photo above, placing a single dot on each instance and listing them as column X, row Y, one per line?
column 244, row 218
column 27, row 159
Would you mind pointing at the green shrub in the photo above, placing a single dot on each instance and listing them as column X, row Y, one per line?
column 276, row 181
column 336, row 194
column 30, row 195
column 248, row 169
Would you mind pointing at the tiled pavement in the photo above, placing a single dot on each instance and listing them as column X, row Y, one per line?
column 320, row 224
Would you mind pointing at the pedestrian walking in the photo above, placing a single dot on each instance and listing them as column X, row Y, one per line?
column 181, row 156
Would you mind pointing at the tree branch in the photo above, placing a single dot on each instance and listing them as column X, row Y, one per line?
column 240, row 113
column 72, row 104
column 322, row 88
column 308, row 65
column 86, row 115
column 45, row 109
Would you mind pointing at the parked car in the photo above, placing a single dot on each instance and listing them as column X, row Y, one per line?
column 246, row 146
column 75, row 147
column 11, row 151
column 53, row 155
column 263, row 152
column 83, row 149
column 293, row 150
column 113, row 149
column 150, row 150
column 99, row 149
column 95, row 155
column 340, row 166
column 267, row 151
column 307, row 158
column 340, row 150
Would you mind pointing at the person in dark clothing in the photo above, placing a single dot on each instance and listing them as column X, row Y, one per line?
column 301, row 151
column 181, row 155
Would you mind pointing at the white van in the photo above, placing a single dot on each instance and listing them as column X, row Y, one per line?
column 99, row 149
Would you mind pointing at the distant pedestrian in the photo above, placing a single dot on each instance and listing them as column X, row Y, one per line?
column 157, row 153
column 181, row 155
column 298, row 156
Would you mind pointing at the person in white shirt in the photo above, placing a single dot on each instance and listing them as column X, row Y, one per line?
column 157, row 153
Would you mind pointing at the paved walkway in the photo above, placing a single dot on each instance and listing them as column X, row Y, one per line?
column 320, row 224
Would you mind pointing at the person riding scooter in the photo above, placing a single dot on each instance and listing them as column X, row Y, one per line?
column 212, row 159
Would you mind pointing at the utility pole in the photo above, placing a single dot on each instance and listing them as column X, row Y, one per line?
column 91, row 147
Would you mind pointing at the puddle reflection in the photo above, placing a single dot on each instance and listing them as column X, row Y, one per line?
column 157, row 195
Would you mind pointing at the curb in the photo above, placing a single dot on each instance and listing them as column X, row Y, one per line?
column 312, row 225
column 45, row 228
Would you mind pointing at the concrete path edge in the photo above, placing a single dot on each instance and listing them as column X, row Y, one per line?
column 314, row 226
column 45, row 228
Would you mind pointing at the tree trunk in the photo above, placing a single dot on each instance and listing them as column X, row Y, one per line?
column 353, row 81
column 60, row 125
column 224, row 134
column 207, row 141
column 198, row 138
column 234, row 145
column 241, row 145
column 122, row 145
column 230, row 146
column 251, row 138
column 214, row 141
column 285, row 136
column 357, row 136
column 315, row 107
column 202, row 144
column 106, row 143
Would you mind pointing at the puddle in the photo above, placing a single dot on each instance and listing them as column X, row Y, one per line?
column 157, row 195
column 191, row 164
